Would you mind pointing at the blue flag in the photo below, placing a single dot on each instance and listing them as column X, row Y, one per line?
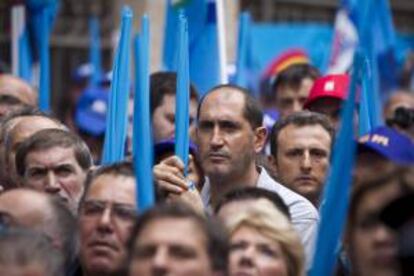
column 95, row 52
column 142, row 139
column 335, row 199
column 117, row 118
column 243, row 47
column 203, row 41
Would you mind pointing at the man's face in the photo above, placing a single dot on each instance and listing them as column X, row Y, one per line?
column 182, row 250
column 55, row 171
column 163, row 118
column 331, row 107
column 106, row 219
column 303, row 159
column 227, row 143
column 289, row 100
column 252, row 253
column 373, row 246
column 26, row 127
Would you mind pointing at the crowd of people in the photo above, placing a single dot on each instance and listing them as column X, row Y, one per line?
column 248, row 203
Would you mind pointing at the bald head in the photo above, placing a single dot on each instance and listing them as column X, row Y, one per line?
column 17, row 88
column 26, row 208
column 29, row 209
column 235, row 94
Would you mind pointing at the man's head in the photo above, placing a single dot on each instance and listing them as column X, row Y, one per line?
column 291, row 87
column 163, row 92
column 396, row 100
column 22, row 208
column 300, row 146
column 23, row 128
column 193, row 245
column 18, row 89
column 106, row 216
column 28, row 253
column 382, row 150
column 370, row 243
column 327, row 95
column 239, row 200
column 229, row 133
column 54, row 161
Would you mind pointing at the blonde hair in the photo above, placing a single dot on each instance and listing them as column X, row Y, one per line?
column 271, row 223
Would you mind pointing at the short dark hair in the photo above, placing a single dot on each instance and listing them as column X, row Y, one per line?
column 124, row 168
column 21, row 247
column 248, row 193
column 216, row 236
column 293, row 76
column 302, row 118
column 165, row 83
column 252, row 111
column 49, row 138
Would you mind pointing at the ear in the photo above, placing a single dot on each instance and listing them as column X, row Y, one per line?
column 260, row 137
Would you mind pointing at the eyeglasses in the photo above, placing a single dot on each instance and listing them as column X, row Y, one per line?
column 95, row 208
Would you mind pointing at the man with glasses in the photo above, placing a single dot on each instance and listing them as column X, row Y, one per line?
column 106, row 216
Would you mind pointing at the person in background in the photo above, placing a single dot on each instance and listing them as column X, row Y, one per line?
column 54, row 161
column 28, row 253
column 163, row 87
column 399, row 112
column 262, row 242
column 292, row 81
column 192, row 245
column 370, row 245
column 90, row 119
column 327, row 96
column 300, row 146
column 380, row 151
column 239, row 200
column 28, row 209
column 107, row 213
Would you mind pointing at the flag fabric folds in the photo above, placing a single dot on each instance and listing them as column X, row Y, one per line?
column 335, row 199
column 142, row 134
column 204, row 51
column 182, row 106
column 117, row 117
column 95, row 51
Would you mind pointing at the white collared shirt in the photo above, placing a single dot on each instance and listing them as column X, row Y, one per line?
column 305, row 217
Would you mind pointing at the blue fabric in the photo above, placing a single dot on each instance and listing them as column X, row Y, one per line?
column 95, row 52
column 335, row 200
column 142, row 139
column 269, row 40
column 203, row 46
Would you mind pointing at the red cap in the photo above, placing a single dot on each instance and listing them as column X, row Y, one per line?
column 330, row 86
column 285, row 60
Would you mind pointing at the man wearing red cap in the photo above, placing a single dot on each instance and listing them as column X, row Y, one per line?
column 327, row 95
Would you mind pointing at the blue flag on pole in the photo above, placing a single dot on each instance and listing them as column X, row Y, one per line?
column 367, row 25
column 95, row 51
column 203, row 41
column 243, row 49
column 182, row 103
column 142, row 139
column 335, row 199
column 117, row 118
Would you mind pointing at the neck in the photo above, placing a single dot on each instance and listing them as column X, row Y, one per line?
column 220, row 185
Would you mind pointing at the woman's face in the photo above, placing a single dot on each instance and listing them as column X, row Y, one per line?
column 251, row 253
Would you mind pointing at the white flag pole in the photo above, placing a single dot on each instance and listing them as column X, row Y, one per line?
column 18, row 23
column 221, row 41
